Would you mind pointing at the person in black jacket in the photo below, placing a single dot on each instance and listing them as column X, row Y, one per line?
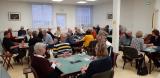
column 22, row 32
column 155, row 42
column 33, row 41
column 40, row 35
column 101, row 64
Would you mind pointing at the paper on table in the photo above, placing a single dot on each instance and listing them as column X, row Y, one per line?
column 86, row 59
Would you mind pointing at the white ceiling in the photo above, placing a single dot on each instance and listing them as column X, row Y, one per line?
column 65, row 1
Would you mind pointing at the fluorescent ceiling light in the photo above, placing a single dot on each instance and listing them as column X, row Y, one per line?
column 57, row 0
column 82, row 2
column 90, row 0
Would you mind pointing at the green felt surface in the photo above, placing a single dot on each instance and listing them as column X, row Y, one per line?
column 65, row 65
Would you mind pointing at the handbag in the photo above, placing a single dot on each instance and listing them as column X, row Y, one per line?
column 142, row 68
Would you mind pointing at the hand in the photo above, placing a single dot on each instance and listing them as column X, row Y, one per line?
column 92, row 58
column 83, row 69
column 149, row 45
column 54, row 62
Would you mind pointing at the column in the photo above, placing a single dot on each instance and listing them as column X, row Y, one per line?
column 115, row 25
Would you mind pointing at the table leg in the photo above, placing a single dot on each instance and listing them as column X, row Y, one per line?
column 150, row 65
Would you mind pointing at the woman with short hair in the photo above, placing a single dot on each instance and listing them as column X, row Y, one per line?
column 138, row 42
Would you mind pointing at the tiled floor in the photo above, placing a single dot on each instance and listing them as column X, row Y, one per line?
column 128, row 72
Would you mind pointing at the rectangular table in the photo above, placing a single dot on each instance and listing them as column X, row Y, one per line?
column 67, row 68
column 149, row 51
column 3, row 72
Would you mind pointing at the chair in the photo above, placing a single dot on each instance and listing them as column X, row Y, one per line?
column 113, row 56
column 106, row 74
column 130, row 54
column 91, row 47
column 155, row 57
column 77, row 47
column 28, row 70
column 34, row 73
column 6, row 57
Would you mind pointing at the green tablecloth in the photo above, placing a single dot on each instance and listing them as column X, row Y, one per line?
column 65, row 65
column 150, row 50
column 3, row 72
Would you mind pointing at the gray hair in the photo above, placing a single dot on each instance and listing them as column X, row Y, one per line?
column 38, row 47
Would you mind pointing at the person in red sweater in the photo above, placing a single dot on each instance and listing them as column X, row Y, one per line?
column 94, row 32
column 42, row 66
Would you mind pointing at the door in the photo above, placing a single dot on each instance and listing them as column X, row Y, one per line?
column 61, row 20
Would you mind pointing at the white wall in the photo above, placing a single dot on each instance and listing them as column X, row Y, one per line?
column 100, row 14
column 136, row 15
column 26, row 14
column 69, row 10
column 157, row 7
column 23, row 8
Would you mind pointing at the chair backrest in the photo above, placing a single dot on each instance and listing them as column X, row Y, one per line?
column 106, row 74
column 92, row 44
column 130, row 52
column 34, row 73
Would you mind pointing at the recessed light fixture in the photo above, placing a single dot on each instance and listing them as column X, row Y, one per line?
column 57, row 0
column 90, row 0
column 82, row 2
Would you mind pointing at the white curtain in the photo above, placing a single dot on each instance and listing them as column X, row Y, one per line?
column 41, row 16
column 84, row 15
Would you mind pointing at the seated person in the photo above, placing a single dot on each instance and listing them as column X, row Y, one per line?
column 11, row 47
column 70, row 31
column 58, row 32
column 94, row 32
column 42, row 66
column 87, row 38
column 50, row 32
column 33, row 41
column 138, row 42
column 21, row 32
column 155, row 43
column 155, row 39
column 126, row 39
column 10, row 31
column 70, row 39
column 29, row 35
column 147, row 39
column 63, row 47
column 78, row 32
column 102, row 62
column 47, row 39
column 40, row 35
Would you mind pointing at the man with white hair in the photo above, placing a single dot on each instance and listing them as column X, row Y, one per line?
column 47, row 39
column 42, row 66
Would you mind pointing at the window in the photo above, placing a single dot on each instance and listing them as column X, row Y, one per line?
column 41, row 16
column 84, row 15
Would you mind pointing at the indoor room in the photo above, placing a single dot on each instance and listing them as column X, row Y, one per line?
column 79, row 39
